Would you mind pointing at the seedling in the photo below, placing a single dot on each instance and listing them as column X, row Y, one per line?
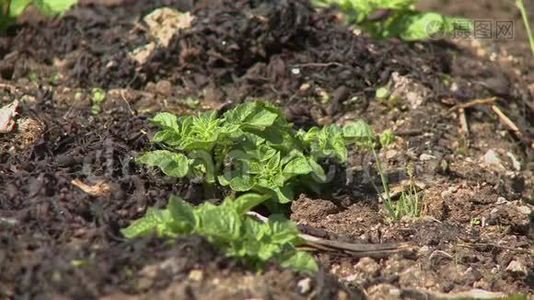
column 475, row 222
column 253, row 151
column 250, row 148
column 382, row 93
column 10, row 10
column 409, row 202
column 366, row 139
column 228, row 227
column 394, row 18
column 98, row 96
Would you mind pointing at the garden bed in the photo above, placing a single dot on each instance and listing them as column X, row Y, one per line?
column 68, row 182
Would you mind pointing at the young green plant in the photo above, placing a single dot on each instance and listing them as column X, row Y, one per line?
column 409, row 202
column 252, row 151
column 394, row 18
column 229, row 228
column 251, row 148
column 366, row 139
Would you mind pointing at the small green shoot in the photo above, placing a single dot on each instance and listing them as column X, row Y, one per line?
column 398, row 18
column 366, row 139
column 228, row 227
column 475, row 221
column 409, row 203
column 524, row 15
column 382, row 93
column 98, row 96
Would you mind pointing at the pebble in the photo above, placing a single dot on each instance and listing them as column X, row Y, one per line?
column 196, row 275
column 304, row 286
column 492, row 159
column 524, row 209
column 368, row 266
column 517, row 267
column 502, row 200
column 426, row 157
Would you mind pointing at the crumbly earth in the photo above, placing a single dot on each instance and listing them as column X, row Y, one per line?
column 68, row 182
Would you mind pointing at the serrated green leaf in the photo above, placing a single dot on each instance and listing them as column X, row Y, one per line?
column 171, row 163
column 166, row 119
column 155, row 220
column 219, row 223
column 360, row 133
column 230, row 229
column 182, row 214
column 297, row 166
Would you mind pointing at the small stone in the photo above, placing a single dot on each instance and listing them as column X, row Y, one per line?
column 501, row 200
column 492, row 159
column 524, row 209
column 368, row 266
column 390, row 154
column 164, row 87
column 304, row 286
column 196, row 275
column 515, row 162
column 423, row 251
column 426, row 157
column 383, row 291
column 517, row 267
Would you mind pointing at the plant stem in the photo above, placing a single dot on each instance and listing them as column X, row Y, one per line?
column 521, row 6
column 385, row 184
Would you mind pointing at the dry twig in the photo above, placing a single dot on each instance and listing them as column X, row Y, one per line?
column 353, row 249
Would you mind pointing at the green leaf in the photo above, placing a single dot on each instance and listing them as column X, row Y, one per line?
column 297, row 166
column 54, row 7
column 247, row 201
column 360, row 133
column 182, row 214
column 218, row 223
column 17, row 7
column 387, row 138
column 171, row 163
column 227, row 227
column 284, row 194
column 154, row 221
column 419, row 26
column 262, row 119
column 283, row 231
column 166, row 119
column 317, row 170
column 302, row 262
column 242, row 183
column 382, row 93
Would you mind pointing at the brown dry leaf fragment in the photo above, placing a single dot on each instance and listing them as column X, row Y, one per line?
column 99, row 189
column 164, row 22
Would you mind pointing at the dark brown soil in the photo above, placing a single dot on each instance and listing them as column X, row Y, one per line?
column 58, row 241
